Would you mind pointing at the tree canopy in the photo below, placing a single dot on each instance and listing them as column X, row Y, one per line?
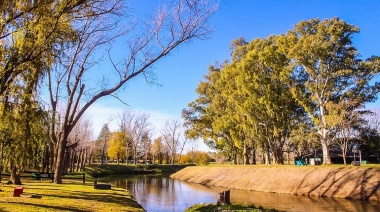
column 280, row 84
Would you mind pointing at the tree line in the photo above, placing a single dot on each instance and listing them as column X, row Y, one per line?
column 58, row 57
column 288, row 93
column 134, row 142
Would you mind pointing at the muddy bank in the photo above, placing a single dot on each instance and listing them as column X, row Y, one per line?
column 344, row 182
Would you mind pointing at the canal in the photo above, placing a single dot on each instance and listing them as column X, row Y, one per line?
column 160, row 193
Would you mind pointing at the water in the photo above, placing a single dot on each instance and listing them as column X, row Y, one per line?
column 160, row 193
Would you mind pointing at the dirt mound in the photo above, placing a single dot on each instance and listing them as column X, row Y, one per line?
column 344, row 182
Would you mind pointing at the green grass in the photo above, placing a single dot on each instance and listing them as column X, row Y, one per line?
column 72, row 195
column 232, row 207
column 98, row 170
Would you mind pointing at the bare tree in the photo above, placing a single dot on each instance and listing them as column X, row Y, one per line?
column 73, row 85
column 174, row 138
column 79, row 139
column 138, row 129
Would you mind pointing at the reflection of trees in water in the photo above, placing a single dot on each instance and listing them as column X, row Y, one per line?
column 161, row 191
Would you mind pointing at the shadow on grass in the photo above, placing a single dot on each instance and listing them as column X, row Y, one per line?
column 98, row 197
column 48, row 207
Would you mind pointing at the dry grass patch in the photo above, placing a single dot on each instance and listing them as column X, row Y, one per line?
column 325, row 181
column 69, row 196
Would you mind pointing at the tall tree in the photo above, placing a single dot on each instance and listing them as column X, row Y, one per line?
column 262, row 93
column 116, row 149
column 96, row 29
column 173, row 138
column 137, row 132
column 103, row 143
column 156, row 150
column 23, row 136
column 331, row 70
column 199, row 118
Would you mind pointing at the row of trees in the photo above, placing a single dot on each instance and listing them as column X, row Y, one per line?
column 292, row 92
column 57, row 59
column 134, row 142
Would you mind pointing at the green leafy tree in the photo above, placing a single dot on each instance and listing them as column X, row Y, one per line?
column 23, row 136
column 200, row 119
column 31, row 35
column 157, row 150
column 330, row 69
column 102, row 143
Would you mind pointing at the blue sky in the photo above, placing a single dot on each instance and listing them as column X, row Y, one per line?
column 180, row 72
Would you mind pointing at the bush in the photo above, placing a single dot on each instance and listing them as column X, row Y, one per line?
column 196, row 157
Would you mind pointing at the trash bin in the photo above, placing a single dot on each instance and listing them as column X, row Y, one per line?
column 37, row 176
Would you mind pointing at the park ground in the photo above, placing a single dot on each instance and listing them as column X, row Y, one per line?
column 72, row 195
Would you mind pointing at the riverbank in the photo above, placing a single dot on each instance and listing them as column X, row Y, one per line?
column 358, row 183
column 101, row 170
column 69, row 196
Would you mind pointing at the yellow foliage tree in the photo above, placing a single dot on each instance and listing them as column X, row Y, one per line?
column 117, row 146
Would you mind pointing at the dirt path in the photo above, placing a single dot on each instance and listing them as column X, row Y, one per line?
column 344, row 182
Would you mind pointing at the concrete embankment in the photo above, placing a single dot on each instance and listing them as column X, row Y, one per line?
column 339, row 182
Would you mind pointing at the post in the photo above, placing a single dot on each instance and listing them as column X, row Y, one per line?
column 84, row 178
column 224, row 198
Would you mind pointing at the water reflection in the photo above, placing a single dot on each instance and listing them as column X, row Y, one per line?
column 160, row 193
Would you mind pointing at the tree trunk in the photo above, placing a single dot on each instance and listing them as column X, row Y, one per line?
column 234, row 157
column 52, row 159
column 344, row 152
column 134, row 155
column 278, row 156
column 15, row 176
column 79, row 160
column 59, row 167
column 326, row 152
column 160, row 158
column 254, row 156
column 325, row 136
column 245, row 155
column 224, row 198
column 267, row 157
column 84, row 158
column 126, row 153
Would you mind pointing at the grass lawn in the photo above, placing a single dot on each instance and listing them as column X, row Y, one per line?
column 233, row 207
column 72, row 195
column 99, row 170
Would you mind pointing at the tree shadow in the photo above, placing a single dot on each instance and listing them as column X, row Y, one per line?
column 340, row 182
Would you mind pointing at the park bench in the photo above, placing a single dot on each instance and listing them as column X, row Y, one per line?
column 101, row 186
column 40, row 176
